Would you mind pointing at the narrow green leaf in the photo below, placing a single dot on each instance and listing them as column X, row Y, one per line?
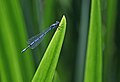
column 93, row 69
column 46, row 69
column 56, row 77
column 14, row 66
column 110, row 69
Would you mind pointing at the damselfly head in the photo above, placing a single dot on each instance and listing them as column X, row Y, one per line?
column 57, row 22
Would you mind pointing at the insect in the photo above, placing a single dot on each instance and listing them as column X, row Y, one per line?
column 35, row 40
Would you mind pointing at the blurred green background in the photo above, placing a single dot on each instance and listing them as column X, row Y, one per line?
column 22, row 19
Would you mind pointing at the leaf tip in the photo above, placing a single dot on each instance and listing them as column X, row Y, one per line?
column 63, row 21
column 64, row 18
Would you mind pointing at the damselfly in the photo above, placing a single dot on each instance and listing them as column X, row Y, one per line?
column 35, row 40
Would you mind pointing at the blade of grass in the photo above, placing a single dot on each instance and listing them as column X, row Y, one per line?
column 109, row 55
column 12, row 38
column 46, row 69
column 9, row 50
column 56, row 77
column 82, row 42
column 3, row 74
column 93, row 69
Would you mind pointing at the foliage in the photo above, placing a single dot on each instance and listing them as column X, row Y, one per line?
column 90, row 49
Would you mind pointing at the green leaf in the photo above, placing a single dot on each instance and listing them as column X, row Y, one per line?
column 56, row 77
column 93, row 69
column 46, row 69
column 110, row 43
column 14, row 66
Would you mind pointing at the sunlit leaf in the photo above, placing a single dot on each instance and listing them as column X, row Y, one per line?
column 93, row 69
column 46, row 69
